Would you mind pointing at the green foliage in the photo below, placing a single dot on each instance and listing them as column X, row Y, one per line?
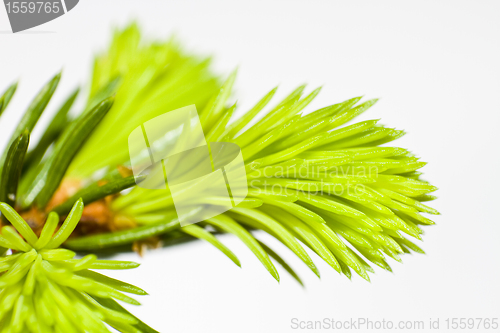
column 11, row 172
column 34, row 111
column 316, row 183
column 330, row 187
column 149, row 79
column 54, row 169
column 45, row 289
column 95, row 191
column 59, row 122
column 168, row 223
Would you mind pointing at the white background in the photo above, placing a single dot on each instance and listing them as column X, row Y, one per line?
column 436, row 67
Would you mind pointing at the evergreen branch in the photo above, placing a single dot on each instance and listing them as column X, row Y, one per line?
column 96, row 192
column 123, row 237
column 66, row 295
column 51, row 133
column 33, row 112
column 314, row 180
column 11, row 172
column 53, row 171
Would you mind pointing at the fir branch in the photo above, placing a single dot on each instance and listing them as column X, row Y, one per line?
column 68, row 296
